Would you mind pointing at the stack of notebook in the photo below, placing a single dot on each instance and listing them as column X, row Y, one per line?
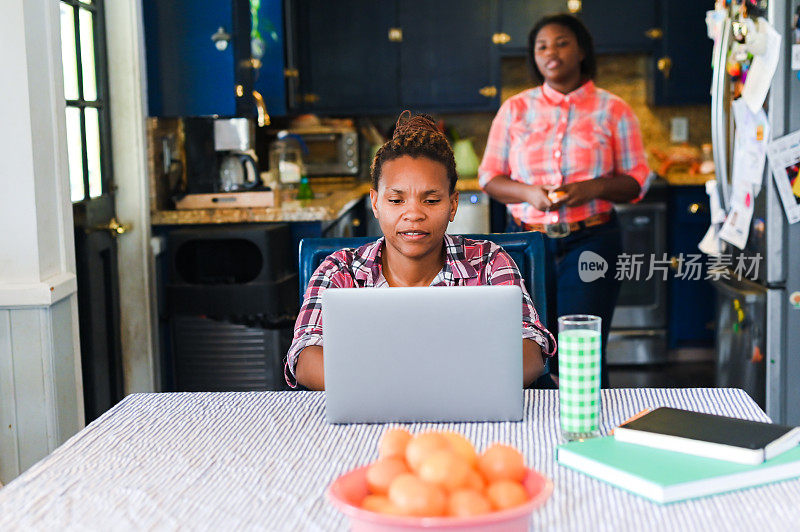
column 669, row 455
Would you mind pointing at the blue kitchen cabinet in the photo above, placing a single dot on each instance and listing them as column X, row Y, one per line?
column 517, row 17
column 447, row 58
column 679, row 72
column 691, row 301
column 269, row 80
column 347, row 62
column 188, row 75
column 617, row 26
column 356, row 57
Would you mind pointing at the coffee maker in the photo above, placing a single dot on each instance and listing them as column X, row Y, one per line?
column 219, row 155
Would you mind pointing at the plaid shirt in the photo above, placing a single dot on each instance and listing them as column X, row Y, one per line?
column 467, row 263
column 544, row 137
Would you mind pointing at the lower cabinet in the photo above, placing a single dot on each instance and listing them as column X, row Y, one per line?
column 691, row 300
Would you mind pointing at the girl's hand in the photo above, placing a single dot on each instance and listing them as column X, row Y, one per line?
column 580, row 192
column 537, row 196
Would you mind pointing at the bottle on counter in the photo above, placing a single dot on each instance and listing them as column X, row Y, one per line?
column 286, row 159
column 304, row 191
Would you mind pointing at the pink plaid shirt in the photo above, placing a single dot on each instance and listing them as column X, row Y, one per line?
column 467, row 263
column 544, row 137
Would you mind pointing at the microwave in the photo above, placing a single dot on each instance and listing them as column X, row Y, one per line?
column 330, row 150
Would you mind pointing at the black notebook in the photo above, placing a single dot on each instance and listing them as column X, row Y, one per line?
column 712, row 436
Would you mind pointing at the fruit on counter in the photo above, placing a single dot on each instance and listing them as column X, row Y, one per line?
column 434, row 473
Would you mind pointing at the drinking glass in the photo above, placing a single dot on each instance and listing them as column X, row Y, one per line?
column 579, row 376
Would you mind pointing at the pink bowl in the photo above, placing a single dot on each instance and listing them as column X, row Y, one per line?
column 347, row 492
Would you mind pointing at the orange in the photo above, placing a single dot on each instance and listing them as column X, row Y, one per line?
column 501, row 462
column 413, row 496
column 474, row 481
column 382, row 472
column 445, row 469
column 466, row 502
column 393, row 443
column 506, row 494
column 380, row 504
column 421, row 446
column 461, row 446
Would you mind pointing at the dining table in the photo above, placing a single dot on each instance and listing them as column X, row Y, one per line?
column 263, row 461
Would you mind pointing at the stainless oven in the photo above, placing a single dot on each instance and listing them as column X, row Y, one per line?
column 639, row 327
column 329, row 150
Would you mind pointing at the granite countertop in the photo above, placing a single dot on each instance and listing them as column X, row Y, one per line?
column 333, row 198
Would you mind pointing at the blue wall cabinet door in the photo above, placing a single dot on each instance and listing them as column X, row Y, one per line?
column 680, row 69
column 620, row 26
column 347, row 55
column 191, row 74
column 517, row 18
column 447, row 57
column 269, row 77
column 617, row 26
column 186, row 74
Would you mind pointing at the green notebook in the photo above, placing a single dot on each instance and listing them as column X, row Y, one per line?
column 668, row 476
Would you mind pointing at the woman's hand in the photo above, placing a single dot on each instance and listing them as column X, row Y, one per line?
column 580, row 192
column 536, row 195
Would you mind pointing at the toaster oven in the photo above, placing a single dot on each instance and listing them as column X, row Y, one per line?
column 329, row 150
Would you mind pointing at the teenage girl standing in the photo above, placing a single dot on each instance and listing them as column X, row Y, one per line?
column 560, row 155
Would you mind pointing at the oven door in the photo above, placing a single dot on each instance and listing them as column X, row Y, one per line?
column 642, row 302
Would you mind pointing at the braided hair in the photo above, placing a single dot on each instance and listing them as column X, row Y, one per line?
column 416, row 136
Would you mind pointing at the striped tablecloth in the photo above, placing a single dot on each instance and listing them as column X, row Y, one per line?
column 226, row 461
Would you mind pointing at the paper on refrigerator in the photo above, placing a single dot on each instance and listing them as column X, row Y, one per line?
column 737, row 224
column 759, row 77
column 749, row 146
column 784, row 160
column 710, row 244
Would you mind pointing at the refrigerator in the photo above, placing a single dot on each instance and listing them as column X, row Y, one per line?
column 758, row 328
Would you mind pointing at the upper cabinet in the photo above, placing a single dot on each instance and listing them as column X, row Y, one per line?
column 202, row 57
column 617, row 26
column 380, row 57
column 680, row 68
column 517, row 17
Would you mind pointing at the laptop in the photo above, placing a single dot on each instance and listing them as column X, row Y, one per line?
column 440, row 354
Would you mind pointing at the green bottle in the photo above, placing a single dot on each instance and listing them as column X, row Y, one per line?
column 304, row 191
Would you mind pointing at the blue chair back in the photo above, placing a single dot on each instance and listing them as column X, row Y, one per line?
column 527, row 250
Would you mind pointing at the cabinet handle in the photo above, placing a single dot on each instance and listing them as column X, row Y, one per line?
column 674, row 263
column 694, row 208
column 396, row 34
column 261, row 109
column 665, row 65
column 655, row 33
column 356, row 222
column 488, row 92
column 291, row 73
column 574, row 6
column 310, row 98
column 501, row 38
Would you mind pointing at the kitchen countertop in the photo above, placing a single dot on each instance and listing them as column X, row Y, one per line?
column 334, row 197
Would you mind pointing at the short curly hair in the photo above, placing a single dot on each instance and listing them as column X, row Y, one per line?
column 416, row 136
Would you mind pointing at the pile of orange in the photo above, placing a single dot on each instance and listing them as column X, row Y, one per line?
column 440, row 474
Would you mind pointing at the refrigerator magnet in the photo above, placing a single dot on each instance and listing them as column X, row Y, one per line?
column 794, row 300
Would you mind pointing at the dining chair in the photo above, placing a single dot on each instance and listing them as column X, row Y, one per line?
column 527, row 249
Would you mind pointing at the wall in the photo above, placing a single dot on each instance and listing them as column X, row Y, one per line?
column 41, row 394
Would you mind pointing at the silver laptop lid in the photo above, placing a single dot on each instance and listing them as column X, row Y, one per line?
column 423, row 354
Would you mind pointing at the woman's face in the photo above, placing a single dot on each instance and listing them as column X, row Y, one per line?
column 413, row 205
column 557, row 54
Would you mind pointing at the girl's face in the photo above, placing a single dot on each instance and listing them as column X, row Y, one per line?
column 413, row 205
column 557, row 54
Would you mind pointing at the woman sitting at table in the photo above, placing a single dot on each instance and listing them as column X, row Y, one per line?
column 414, row 198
